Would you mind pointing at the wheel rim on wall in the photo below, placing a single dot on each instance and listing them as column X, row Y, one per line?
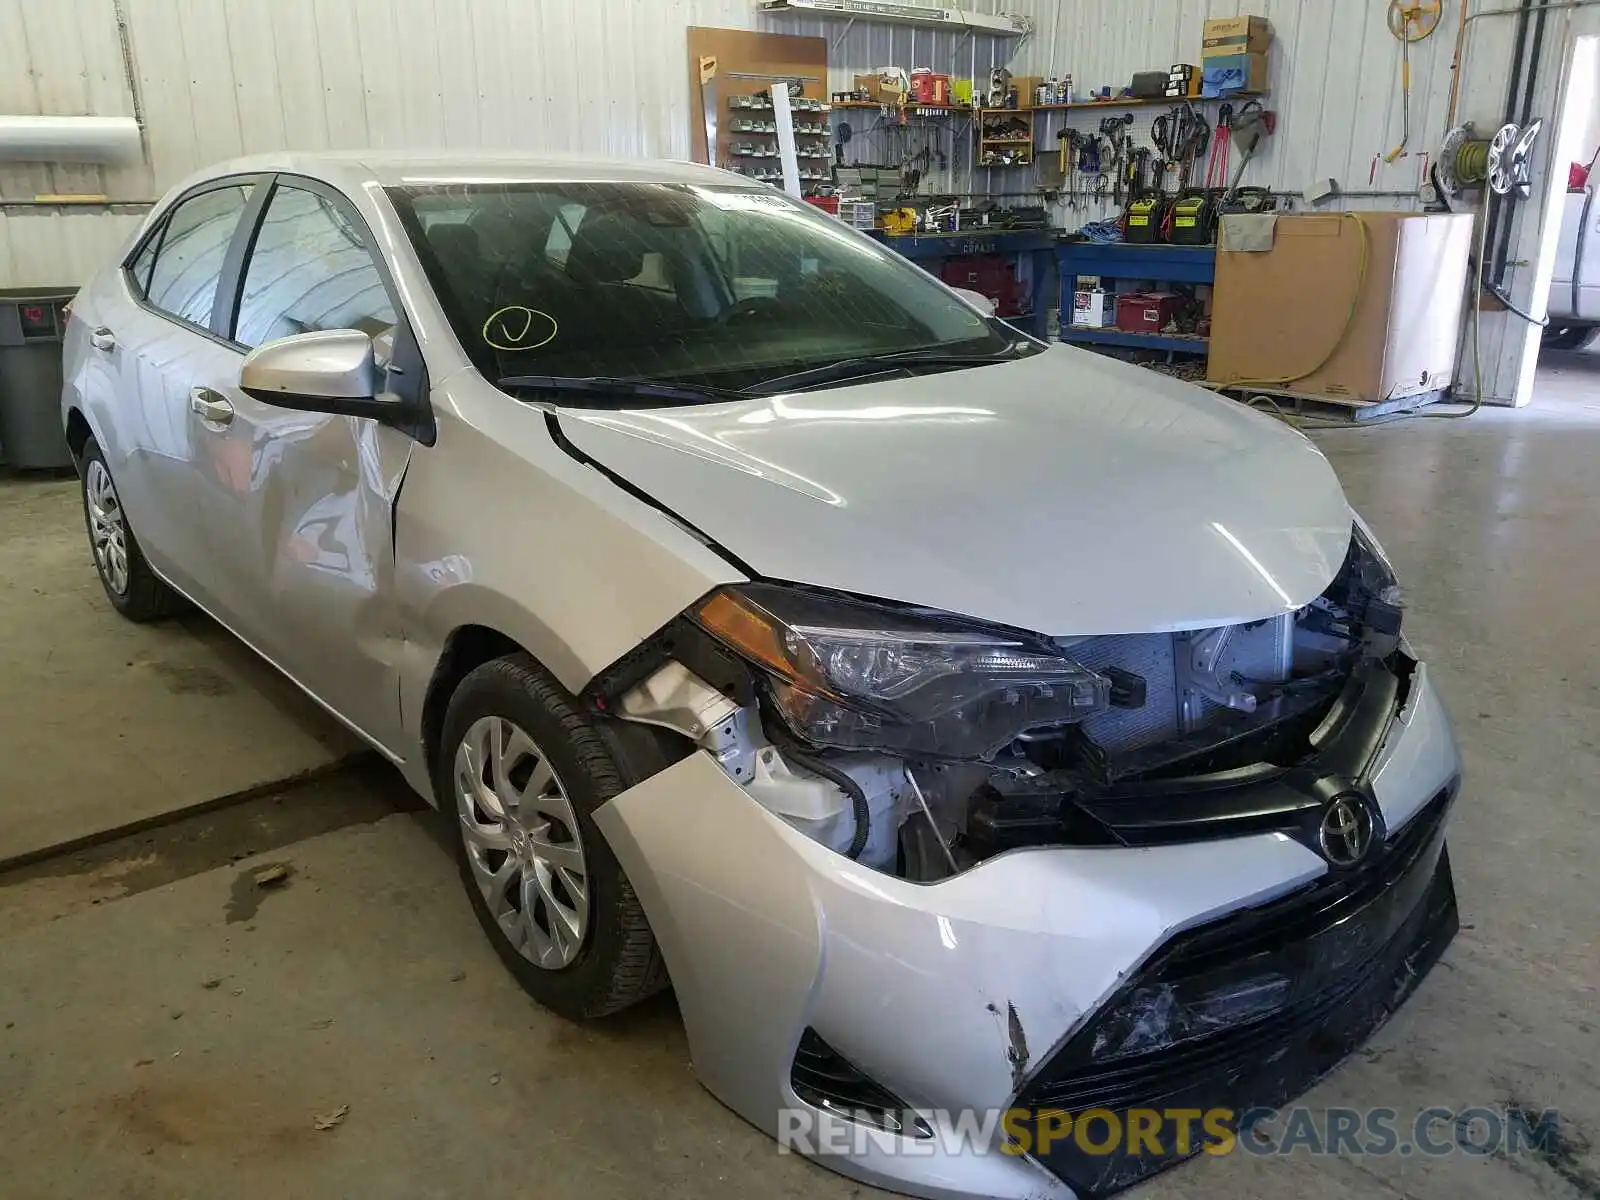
column 523, row 842
column 107, row 530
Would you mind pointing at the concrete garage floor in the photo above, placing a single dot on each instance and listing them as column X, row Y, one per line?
column 168, row 1029
column 108, row 724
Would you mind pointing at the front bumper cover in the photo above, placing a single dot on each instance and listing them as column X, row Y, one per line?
column 971, row 993
column 1337, row 957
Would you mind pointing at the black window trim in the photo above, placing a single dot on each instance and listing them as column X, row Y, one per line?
column 246, row 247
column 411, row 383
column 417, row 418
column 158, row 229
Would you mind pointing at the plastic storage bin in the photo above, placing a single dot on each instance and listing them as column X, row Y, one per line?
column 33, row 325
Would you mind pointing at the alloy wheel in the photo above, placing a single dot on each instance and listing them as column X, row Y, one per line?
column 523, row 842
column 108, row 529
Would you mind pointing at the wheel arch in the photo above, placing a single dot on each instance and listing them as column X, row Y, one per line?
column 642, row 750
column 79, row 431
column 466, row 648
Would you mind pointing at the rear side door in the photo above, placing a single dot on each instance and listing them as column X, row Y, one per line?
column 298, row 507
column 153, row 328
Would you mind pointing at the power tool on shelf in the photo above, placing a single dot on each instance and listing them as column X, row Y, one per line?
column 1193, row 221
column 1142, row 223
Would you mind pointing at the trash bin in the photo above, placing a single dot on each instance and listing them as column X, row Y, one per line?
column 33, row 325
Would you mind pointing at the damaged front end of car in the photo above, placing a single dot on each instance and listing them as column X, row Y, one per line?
column 922, row 745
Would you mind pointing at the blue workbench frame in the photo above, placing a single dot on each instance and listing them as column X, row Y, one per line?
column 1038, row 244
column 1125, row 260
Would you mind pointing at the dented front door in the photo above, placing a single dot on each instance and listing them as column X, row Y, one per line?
column 300, row 506
column 299, row 509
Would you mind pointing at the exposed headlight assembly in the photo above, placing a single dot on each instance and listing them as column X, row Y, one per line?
column 855, row 675
column 1374, row 595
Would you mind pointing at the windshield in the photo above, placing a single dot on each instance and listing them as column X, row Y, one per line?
column 715, row 287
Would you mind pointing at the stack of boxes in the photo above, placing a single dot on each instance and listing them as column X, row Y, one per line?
column 1183, row 79
column 1234, row 54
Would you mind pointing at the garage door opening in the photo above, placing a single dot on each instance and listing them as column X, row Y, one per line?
column 1571, row 238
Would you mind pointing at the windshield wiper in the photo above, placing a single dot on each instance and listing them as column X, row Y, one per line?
column 598, row 386
column 878, row 364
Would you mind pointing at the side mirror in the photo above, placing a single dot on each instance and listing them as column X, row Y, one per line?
column 330, row 371
column 978, row 300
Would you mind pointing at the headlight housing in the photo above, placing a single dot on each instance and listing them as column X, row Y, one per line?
column 851, row 674
column 1375, row 595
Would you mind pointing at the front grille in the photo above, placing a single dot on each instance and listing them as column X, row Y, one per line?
column 1252, row 1010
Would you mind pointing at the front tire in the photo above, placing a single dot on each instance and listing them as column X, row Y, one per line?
column 129, row 583
column 519, row 773
column 1567, row 337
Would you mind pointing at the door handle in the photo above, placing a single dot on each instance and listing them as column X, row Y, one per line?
column 103, row 339
column 210, row 406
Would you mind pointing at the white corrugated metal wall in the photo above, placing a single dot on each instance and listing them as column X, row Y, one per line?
column 215, row 81
column 1334, row 82
column 610, row 76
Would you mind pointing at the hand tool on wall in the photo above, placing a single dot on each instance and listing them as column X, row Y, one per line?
column 1181, row 137
column 1252, row 125
column 1410, row 21
column 1217, row 162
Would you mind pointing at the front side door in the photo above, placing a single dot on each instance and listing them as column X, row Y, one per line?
column 156, row 325
column 299, row 506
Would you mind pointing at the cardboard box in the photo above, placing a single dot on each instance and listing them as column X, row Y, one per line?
column 1089, row 309
column 1269, row 322
column 1027, row 88
column 880, row 91
column 1235, row 35
column 1178, row 88
column 1242, row 73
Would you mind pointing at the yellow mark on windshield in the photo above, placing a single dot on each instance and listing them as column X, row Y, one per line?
column 517, row 327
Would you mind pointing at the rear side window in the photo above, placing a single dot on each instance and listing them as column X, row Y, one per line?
column 188, row 262
column 309, row 270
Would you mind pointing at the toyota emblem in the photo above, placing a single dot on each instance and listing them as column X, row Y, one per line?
column 1346, row 835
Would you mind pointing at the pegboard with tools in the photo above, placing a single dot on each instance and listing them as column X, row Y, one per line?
column 1094, row 160
column 930, row 146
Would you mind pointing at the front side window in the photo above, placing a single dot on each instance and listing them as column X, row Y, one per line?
column 724, row 286
column 188, row 260
column 309, row 270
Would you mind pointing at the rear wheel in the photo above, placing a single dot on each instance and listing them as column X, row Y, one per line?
column 130, row 584
column 520, row 771
column 1568, row 337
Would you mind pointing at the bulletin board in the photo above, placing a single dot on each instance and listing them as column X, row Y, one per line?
column 760, row 56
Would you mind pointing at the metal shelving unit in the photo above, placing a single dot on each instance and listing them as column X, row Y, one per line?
column 1122, row 260
column 813, row 139
column 1182, row 342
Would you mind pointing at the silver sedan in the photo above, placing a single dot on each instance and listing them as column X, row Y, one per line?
column 975, row 731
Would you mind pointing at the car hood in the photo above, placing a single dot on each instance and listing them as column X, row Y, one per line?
column 1065, row 493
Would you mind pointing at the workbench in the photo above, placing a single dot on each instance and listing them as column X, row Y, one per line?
column 1127, row 260
column 1038, row 244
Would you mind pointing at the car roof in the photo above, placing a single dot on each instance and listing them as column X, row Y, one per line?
column 352, row 170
